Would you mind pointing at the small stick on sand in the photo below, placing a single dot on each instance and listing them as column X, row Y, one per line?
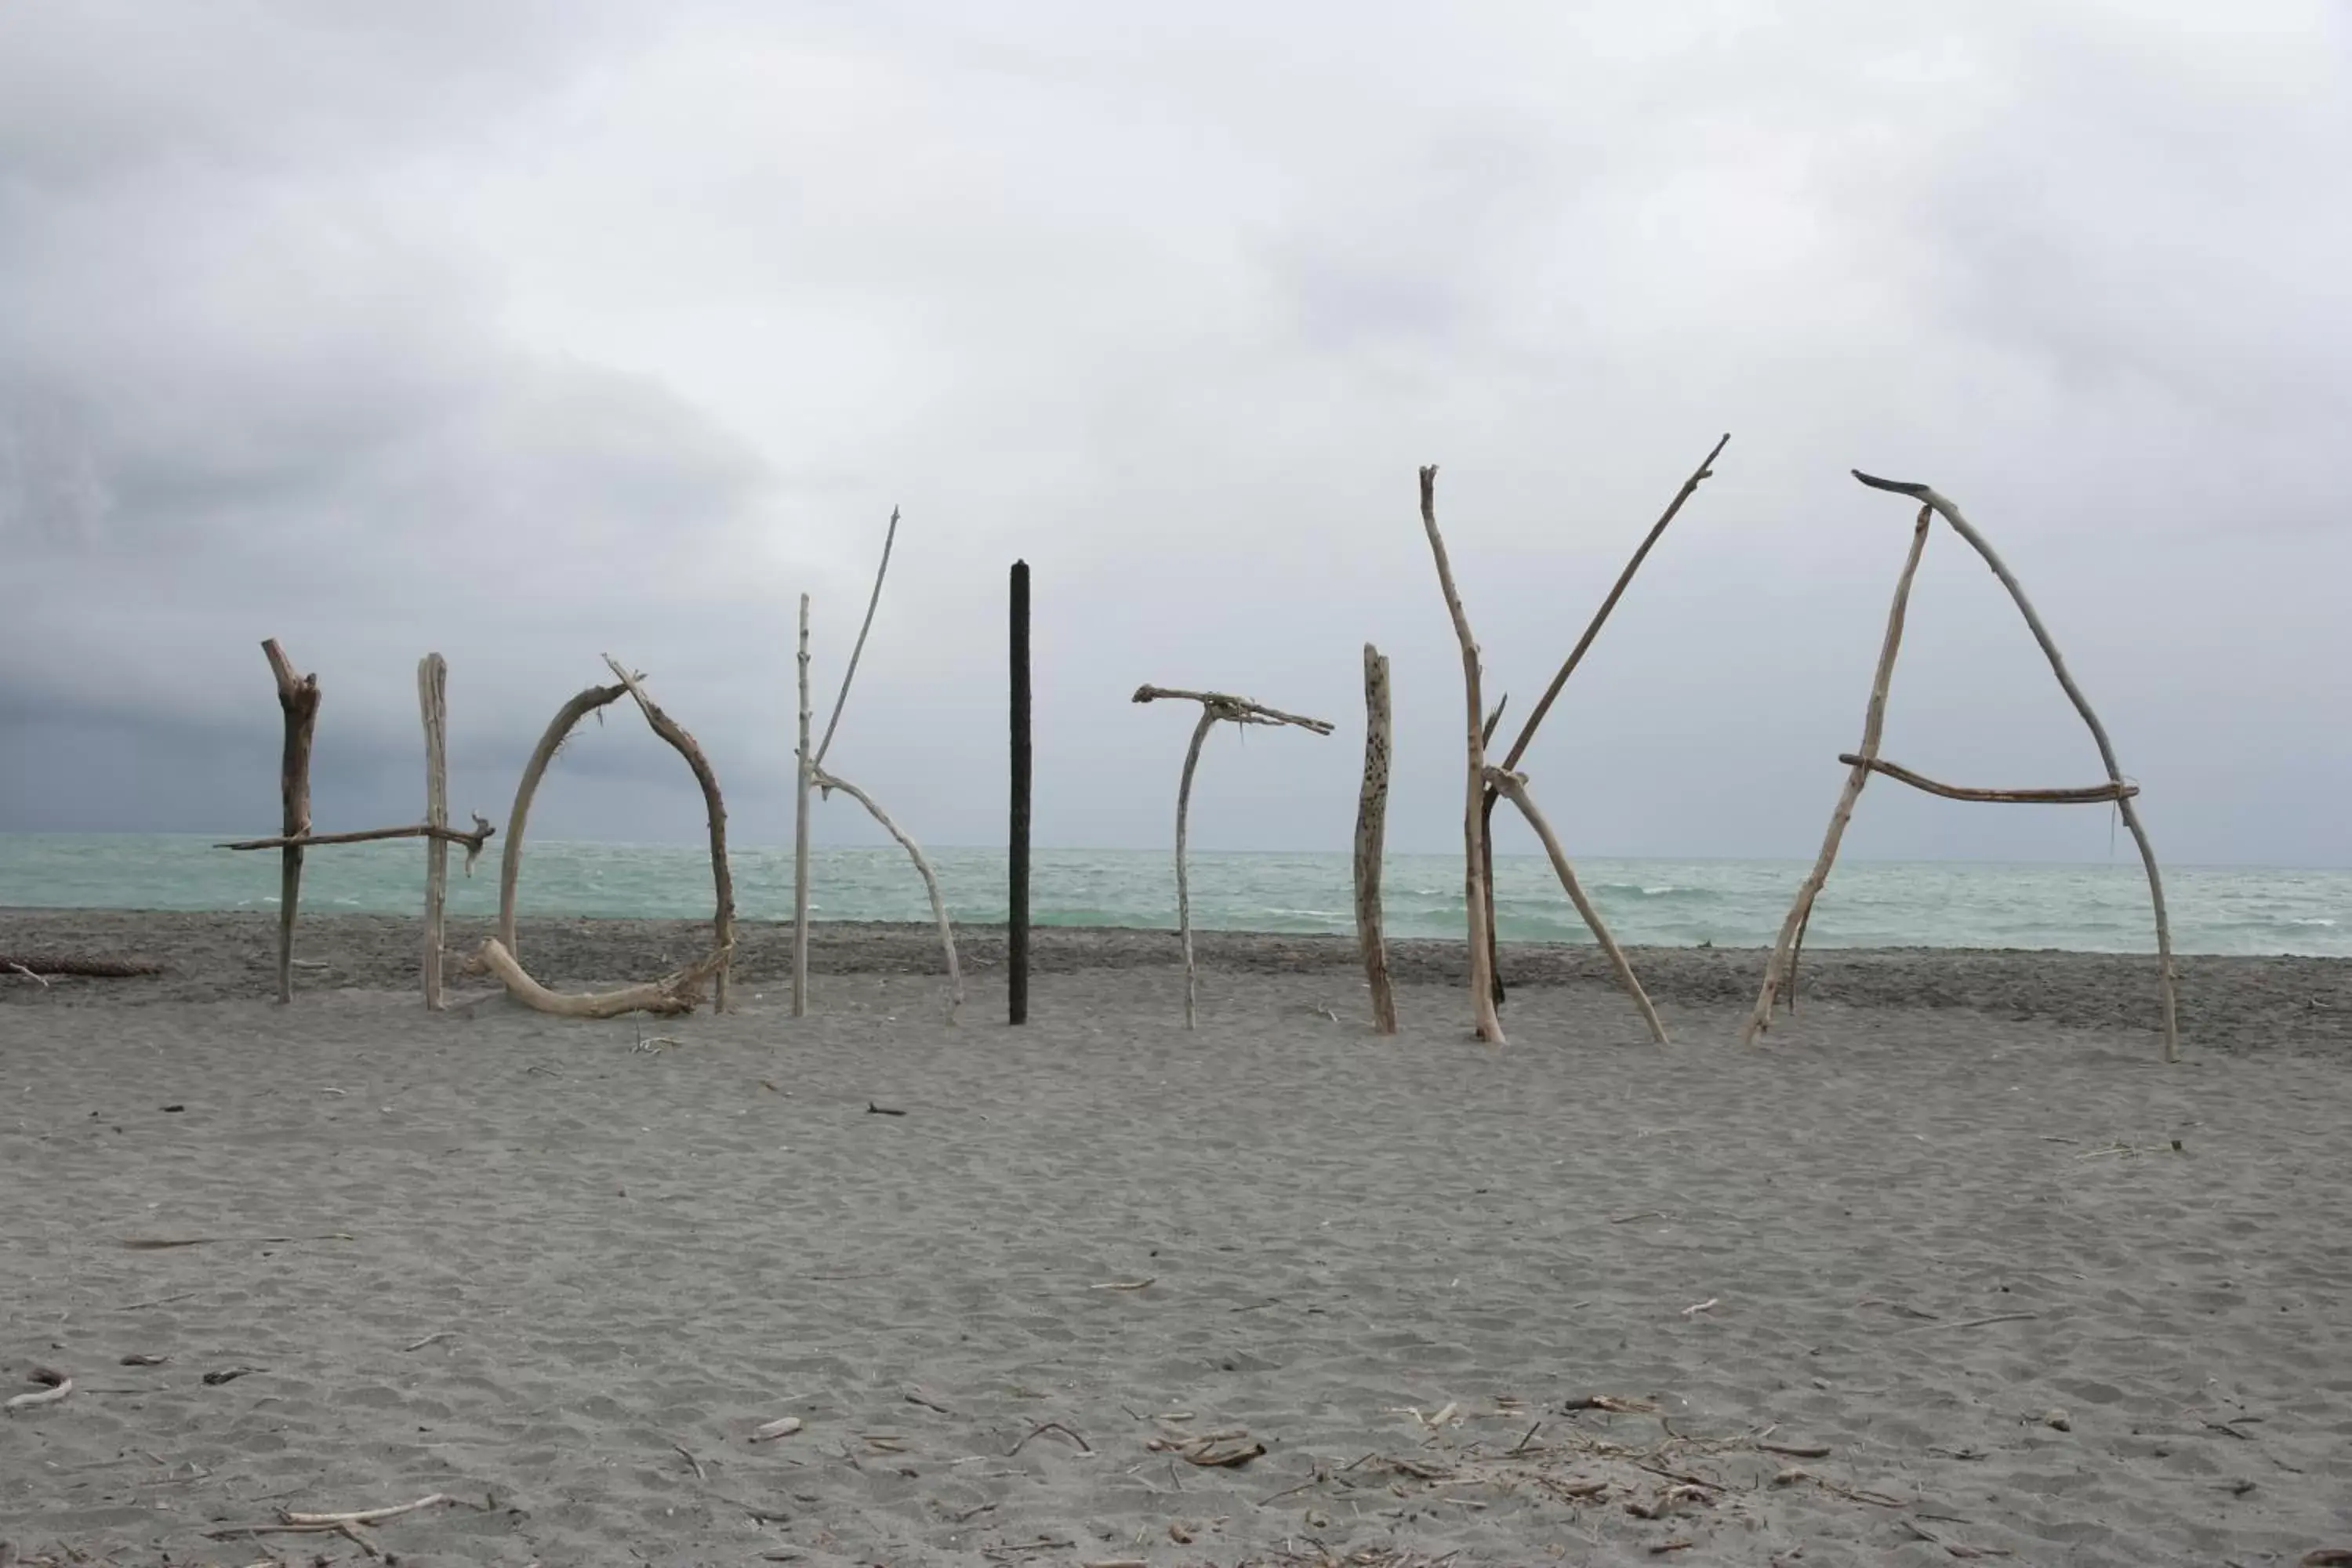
column 785, row 1427
column 366, row 1515
column 56, row 1389
column 28, row 974
column 1978, row 1322
column 429, row 1340
column 1044, row 1426
column 698, row 1473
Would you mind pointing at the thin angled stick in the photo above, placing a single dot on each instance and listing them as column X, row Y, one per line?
column 365, row 1515
column 1371, row 833
column 1873, row 724
column 298, row 699
column 433, row 703
column 1513, row 787
column 722, row 878
column 858, row 652
column 1950, row 513
column 1240, row 709
column 2089, row 795
column 559, row 730
column 1183, row 886
column 826, row 780
column 806, row 771
column 1484, row 1018
column 1511, row 759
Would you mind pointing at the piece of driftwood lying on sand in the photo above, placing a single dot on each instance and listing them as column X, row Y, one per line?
column 51, row 965
column 1216, row 708
column 676, row 993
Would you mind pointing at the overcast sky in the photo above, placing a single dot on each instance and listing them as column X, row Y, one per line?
column 529, row 331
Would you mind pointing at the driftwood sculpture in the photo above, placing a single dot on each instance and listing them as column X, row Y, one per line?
column 297, row 698
column 812, row 774
column 1215, row 707
column 1486, row 782
column 1371, row 833
column 1864, row 761
column 679, row 992
column 1700, row 475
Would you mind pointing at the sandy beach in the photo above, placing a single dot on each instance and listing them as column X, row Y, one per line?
column 1950, row 1268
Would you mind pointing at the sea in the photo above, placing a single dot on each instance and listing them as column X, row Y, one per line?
column 2101, row 908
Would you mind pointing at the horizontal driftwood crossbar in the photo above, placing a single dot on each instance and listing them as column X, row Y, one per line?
column 472, row 840
column 2094, row 794
column 1238, row 710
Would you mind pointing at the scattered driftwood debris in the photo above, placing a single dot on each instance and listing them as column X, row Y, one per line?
column 54, row 1388
column 1865, row 760
column 1216, row 707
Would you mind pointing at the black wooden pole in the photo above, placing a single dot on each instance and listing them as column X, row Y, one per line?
column 1016, row 953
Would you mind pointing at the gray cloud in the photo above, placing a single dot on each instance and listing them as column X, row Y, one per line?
column 529, row 333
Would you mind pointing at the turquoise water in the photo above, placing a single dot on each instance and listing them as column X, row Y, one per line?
column 1729, row 903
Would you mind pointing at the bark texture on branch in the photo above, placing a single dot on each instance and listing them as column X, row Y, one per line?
column 826, row 780
column 1371, row 838
column 1943, row 507
column 473, row 838
column 1513, row 787
column 432, row 705
column 1237, row 709
column 1483, row 1017
column 559, row 730
column 2089, row 795
column 298, row 699
column 1783, row 963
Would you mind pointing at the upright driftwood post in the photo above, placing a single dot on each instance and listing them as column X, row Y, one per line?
column 551, row 742
column 805, row 775
column 1216, row 706
column 1483, row 1017
column 298, row 699
column 433, row 702
column 1950, row 513
column 1016, row 945
column 1873, row 724
column 1371, row 835
column 1700, row 475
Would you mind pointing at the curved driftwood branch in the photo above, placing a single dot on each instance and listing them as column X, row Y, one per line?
column 872, row 604
column 1943, row 507
column 2089, row 795
column 1371, row 833
column 826, row 780
column 1511, row 759
column 559, row 730
column 1483, row 1017
column 298, row 699
column 674, row 993
column 722, row 878
column 1183, row 880
column 1873, row 723
column 1513, row 787
column 1215, row 707
column 803, row 773
column 1239, row 709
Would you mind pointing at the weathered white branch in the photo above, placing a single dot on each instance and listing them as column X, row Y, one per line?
column 674, row 993
column 2089, row 795
column 722, row 876
column 1513, row 787
column 1485, row 1018
column 559, row 730
column 480, row 834
column 888, row 538
column 826, row 780
column 1778, row 966
column 1927, row 496
column 1371, row 834
column 804, row 772
column 1215, row 707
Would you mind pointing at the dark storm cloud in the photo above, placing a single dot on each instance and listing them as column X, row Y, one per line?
column 528, row 333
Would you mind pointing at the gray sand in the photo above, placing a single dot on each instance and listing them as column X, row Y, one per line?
column 1906, row 1235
